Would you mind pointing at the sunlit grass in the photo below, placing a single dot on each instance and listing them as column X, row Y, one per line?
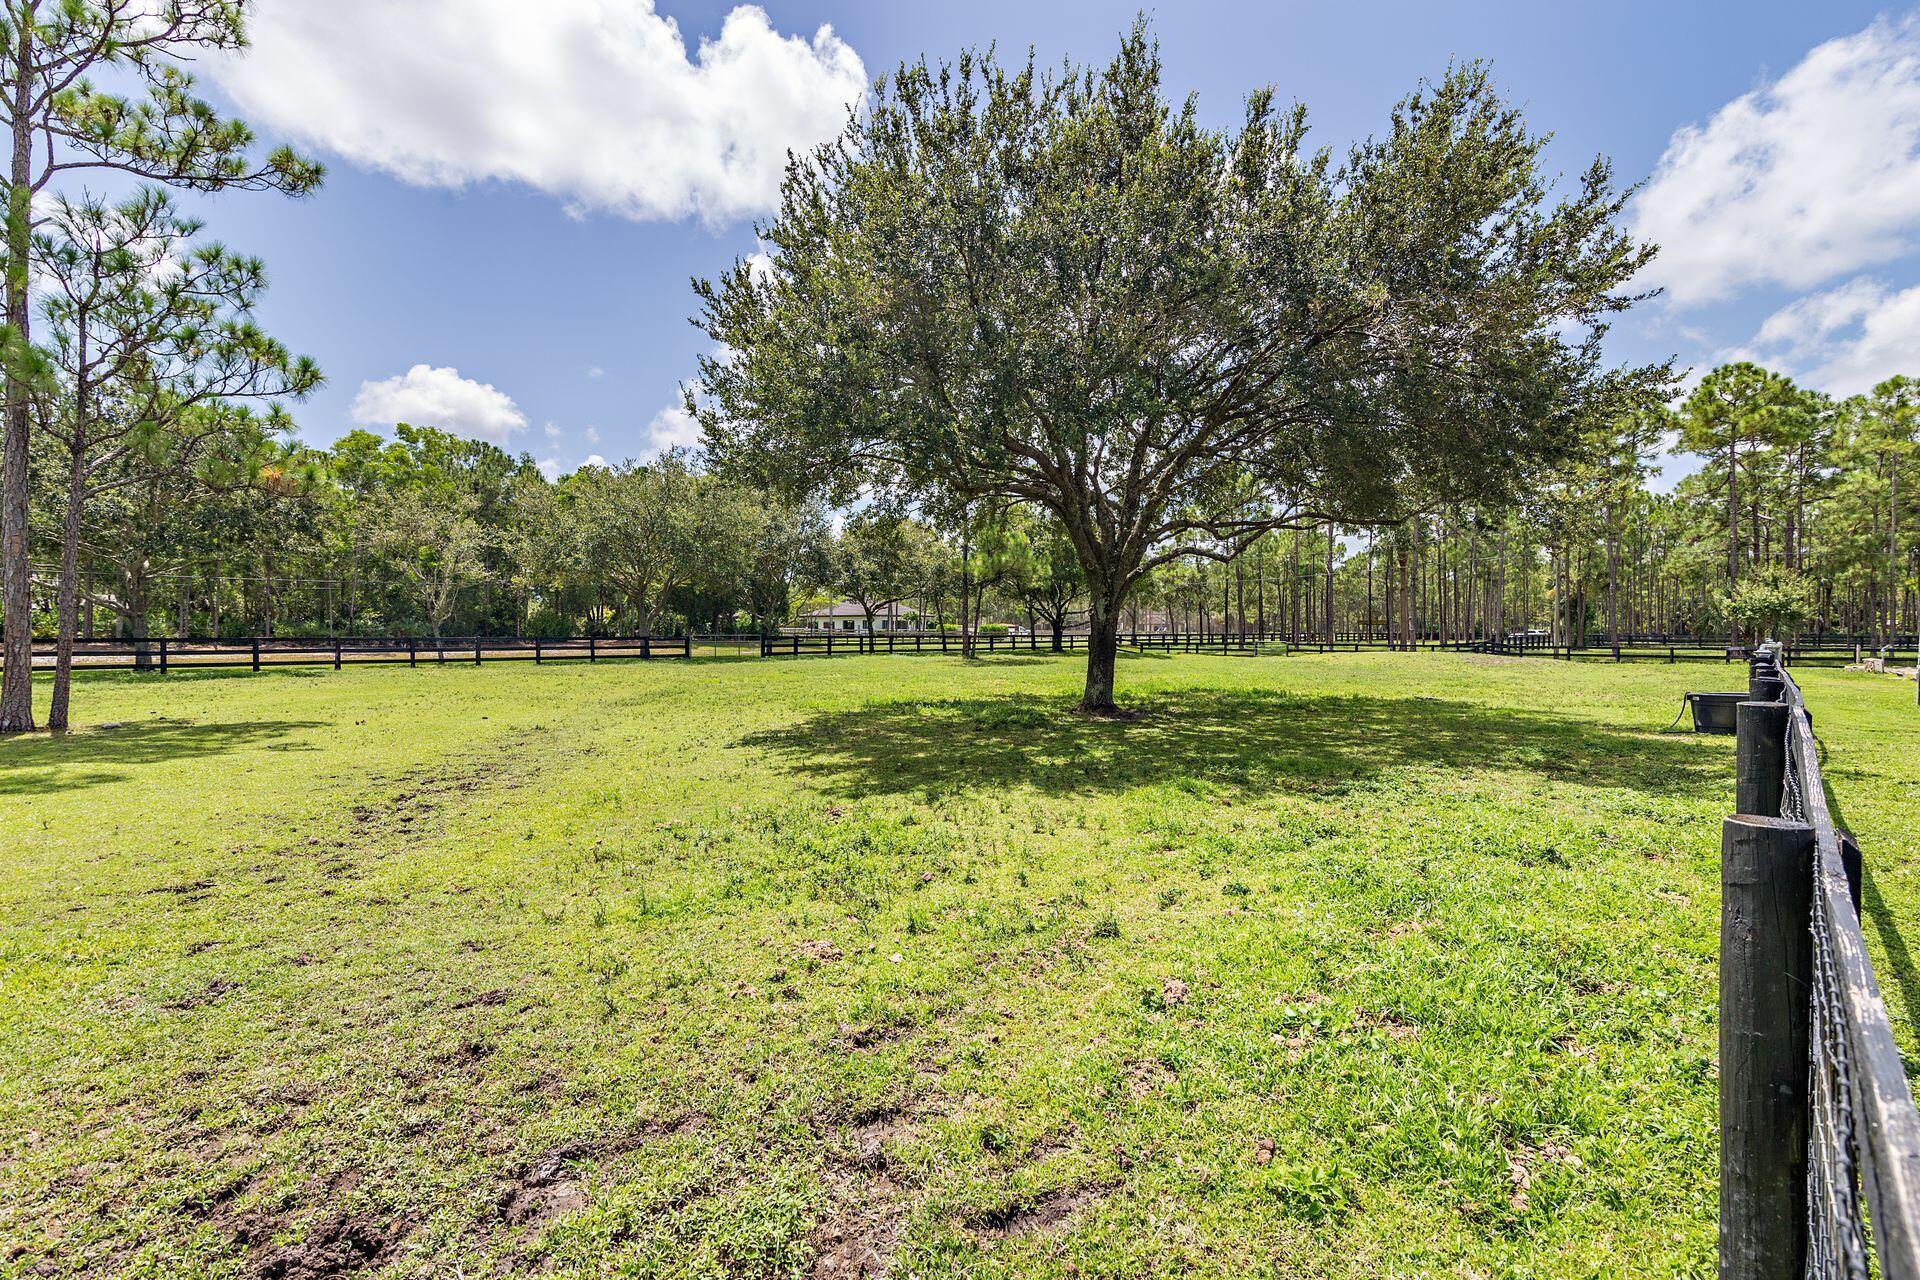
column 1325, row 966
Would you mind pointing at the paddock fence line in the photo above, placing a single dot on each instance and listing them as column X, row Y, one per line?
column 1692, row 649
column 257, row 653
column 850, row 643
column 168, row 653
column 1820, row 1138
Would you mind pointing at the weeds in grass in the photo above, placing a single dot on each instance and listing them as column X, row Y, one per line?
column 748, row 968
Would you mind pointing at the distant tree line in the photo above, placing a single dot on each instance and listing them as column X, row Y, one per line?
column 1026, row 348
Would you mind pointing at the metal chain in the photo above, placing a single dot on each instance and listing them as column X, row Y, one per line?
column 1836, row 1219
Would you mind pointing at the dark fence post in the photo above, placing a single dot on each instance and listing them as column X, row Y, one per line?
column 163, row 655
column 1760, row 757
column 1766, row 971
column 256, row 655
column 536, row 651
column 593, row 654
column 336, row 654
column 476, row 651
column 412, row 657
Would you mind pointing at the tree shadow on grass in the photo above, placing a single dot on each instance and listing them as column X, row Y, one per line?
column 43, row 765
column 1880, row 917
column 177, row 674
column 1252, row 739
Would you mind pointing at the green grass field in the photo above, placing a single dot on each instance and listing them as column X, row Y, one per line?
column 1380, row 965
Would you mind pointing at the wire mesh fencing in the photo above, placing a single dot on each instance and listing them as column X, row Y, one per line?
column 1836, row 1130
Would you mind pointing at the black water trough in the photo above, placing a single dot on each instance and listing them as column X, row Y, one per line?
column 1714, row 712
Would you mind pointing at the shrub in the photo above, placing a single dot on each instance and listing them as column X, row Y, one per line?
column 1774, row 603
column 545, row 624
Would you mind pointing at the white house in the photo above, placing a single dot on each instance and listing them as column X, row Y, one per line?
column 847, row 615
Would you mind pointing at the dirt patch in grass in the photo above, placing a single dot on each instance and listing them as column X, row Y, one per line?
column 338, row 1240
column 858, row 1234
column 484, row 999
column 553, row 1184
column 547, row 1190
column 205, row 996
column 1047, row 1213
column 338, row 1244
column 872, row 1035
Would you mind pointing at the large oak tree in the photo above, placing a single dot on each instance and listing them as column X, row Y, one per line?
column 1064, row 289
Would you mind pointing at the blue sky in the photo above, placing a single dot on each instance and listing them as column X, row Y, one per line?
column 519, row 193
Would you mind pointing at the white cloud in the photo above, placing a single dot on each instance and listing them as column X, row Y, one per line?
column 672, row 426
column 552, row 432
column 429, row 397
column 549, row 467
column 1797, row 182
column 594, row 460
column 595, row 101
column 592, row 433
column 1817, row 316
column 595, row 371
column 1845, row 339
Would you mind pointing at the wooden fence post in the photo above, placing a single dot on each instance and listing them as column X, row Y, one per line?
column 1760, row 757
column 256, row 654
column 163, row 655
column 1766, row 968
column 336, row 654
column 476, row 651
column 536, row 651
column 412, row 656
column 593, row 653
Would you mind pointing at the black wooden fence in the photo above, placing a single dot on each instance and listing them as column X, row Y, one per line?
column 1684, row 649
column 843, row 643
column 257, row 653
column 1819, row 1137
column 166, row 653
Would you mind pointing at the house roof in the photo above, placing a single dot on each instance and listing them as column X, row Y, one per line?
column 850, row 609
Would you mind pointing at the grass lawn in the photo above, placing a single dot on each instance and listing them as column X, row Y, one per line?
column 1376, row 965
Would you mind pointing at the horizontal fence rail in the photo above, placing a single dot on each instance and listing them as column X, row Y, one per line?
column 1807, row 653
column 1820, row 1138
column 257, row 653
column 848, row 643
column 167, row 653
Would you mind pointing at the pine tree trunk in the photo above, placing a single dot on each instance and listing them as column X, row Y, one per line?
column 16, row 575
column 68, row 608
